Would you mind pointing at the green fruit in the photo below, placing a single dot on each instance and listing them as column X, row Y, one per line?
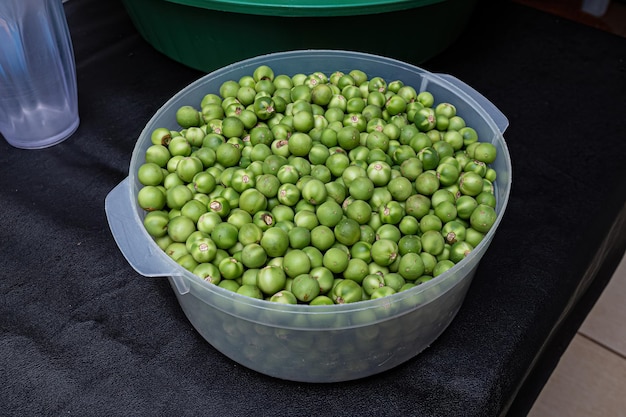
column 482, row 218
column 384, row 252
column 225, row 235
column 252, row 201
column 187, row 116
column 296, row 262
column 411, row 266
column 284, row 297
column 300, row 144
column 322, row 237
column 347, row 231
column 227, row 154
column 151, row 198
column 361, row 188
column 347, row 291
column 253, row 255
column 329, row 213
column 336, row 260
column 348, row 137
column 230, row 268
column 356, row 270
column 305, row 288
column 271, row 279
column 314, row 192
column 275, row 242
column 251, row 291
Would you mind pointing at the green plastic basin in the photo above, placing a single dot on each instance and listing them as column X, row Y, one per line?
column 310, row 8
column 208, row 34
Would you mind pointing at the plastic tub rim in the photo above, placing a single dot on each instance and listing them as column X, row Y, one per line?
column 307, row 8
column 305, row 308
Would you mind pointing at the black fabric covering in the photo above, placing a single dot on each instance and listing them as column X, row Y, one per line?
column 82, row 334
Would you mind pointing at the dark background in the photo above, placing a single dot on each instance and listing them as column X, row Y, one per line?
column 81, row 333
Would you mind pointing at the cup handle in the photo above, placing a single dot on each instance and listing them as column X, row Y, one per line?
column 131, row 238
column 496, row 115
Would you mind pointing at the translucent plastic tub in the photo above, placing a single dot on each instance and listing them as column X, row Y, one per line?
column 209, row 34
column 301, row 342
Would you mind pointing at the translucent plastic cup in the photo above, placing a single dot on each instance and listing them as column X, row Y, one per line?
column 38, row 95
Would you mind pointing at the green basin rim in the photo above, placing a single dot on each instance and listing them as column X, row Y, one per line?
column 307, row 8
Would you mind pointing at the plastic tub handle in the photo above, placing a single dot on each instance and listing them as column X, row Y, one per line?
column 496, row 115
column 130, row 237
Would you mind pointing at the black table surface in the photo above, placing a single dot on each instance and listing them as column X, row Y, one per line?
column 81, row 333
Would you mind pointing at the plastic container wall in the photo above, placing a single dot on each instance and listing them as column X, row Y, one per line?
column 350, row 341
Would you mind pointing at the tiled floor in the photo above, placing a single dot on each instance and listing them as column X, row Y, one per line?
column 613, row 20
column 590, row 379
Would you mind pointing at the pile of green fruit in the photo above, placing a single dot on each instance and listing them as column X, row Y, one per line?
column 317, row 189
